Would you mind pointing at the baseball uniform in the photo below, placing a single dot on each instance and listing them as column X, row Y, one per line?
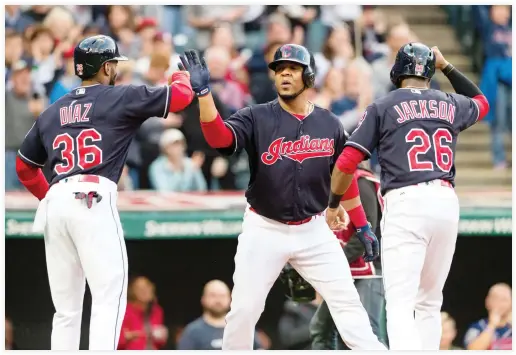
column 84, row 136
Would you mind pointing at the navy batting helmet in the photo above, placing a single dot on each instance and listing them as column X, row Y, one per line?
column 296, row 54
column 92, row 52
column 295, row 287
column 413, row 59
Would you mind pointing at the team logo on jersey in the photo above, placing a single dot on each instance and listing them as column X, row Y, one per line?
column 80, row 69
column 303, row 148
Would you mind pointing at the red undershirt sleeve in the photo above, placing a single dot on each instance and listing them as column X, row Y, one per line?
column 217, row 134
column 32, row 178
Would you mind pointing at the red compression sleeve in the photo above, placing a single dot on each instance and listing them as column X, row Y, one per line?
column 483, row 106
column 349, row 159
column 181, row 93
column 32, row 178
column 357, row 215
column 217, row 134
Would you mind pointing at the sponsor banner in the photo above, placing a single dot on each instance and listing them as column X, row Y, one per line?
column 228, row 224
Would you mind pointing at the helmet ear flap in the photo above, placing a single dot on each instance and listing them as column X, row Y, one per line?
column 309, row 73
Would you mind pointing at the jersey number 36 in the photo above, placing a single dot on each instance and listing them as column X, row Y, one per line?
column 81, row 152
column 443, row 153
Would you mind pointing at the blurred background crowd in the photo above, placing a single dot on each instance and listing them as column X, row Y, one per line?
column 354, row 48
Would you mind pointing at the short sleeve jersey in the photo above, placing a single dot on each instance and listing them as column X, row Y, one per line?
column 415, row 133
column 290, row 159
column 89, row 130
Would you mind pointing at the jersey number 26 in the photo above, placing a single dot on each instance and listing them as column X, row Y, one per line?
column 443, row 153
column 78, row 152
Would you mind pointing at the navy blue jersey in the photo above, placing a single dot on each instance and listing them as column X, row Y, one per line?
column 88, row 131
column 290, row 159
column 415, row 132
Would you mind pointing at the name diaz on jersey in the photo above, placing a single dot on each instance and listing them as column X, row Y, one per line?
column 299, row 150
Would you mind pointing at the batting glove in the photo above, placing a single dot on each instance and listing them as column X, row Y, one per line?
column 199, row 73
column 370, row 242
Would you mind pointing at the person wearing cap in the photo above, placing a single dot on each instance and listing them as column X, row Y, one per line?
column 173, row 170
column 67, row 81
column 21, row 109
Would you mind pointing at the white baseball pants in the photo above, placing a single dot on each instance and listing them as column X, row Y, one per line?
column 264, row 247
column 85, row 244
column 419, row 231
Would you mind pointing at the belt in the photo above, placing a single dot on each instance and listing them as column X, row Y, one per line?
column 291, row 223
column 82, row 178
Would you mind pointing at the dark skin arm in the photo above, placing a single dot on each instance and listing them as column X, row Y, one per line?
column 340, row 182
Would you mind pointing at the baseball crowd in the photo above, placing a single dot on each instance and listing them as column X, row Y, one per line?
column 354, row 48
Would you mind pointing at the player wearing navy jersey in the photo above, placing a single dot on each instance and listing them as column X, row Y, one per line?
column 415, row 130
column 292, row 147
column 84, row 137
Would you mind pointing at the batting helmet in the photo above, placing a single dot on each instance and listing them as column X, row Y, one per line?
column 92, row 52
column 413, row 59
column 296, row 288
column 296, row 54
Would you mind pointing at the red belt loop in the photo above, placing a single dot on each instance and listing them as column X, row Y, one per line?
column 290, row 223
column 84, row 178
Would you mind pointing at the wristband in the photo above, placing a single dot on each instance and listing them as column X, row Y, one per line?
column 203, row 91
column 334, row 200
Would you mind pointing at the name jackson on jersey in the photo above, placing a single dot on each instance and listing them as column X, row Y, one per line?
column 299, row 150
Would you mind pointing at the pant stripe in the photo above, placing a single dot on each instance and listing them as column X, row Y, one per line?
column 115, row 343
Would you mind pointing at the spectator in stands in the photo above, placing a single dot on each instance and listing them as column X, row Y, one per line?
column 294, row 324
column 13, row 51
column 278, row 32
column 161, row 44
column 495, row 332
column 449, row 332
column 332, row 88
column 173, row 171
column 373, row 26
column 223, row 37
column 332, row 15
column 128, row 42
column 261, row 82
column 300, row 17
column 230, row 93
column 143, row 326
column 205, row 333
column 496, row 83
column 37, row 13
column 337, row 52
column 61, row 23
column 67, row 81
column 45, row 66
column 118, row 17
column 204, row 17
column 397, row 35
column 21, row 109
column 15, row 19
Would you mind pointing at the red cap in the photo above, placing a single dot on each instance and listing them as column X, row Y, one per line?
column 68, row 53
column 146, row 22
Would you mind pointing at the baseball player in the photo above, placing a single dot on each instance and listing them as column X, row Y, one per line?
column 415, row 130
column 292, row 146
column 367, row 275
column 84, row 136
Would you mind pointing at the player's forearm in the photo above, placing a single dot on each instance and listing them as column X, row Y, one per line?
column 461, row 84
column 216, row 133
column 32, row 178
column 343, row 173
column 483, row 342
column 181, row 93
column 353, row 205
